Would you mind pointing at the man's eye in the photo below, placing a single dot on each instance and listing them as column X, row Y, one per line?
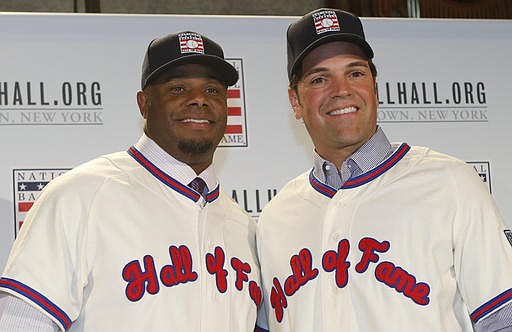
column 317, row 80
column 177, row 89
column 357, row 74
column 212, row 90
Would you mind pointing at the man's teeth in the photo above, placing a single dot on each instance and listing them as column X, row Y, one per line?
column 343, row 111
column 195, row 120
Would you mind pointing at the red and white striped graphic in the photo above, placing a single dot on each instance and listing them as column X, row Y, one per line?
column 326, row 21
column 236, row 131
column 191, row 43
column 235, row 125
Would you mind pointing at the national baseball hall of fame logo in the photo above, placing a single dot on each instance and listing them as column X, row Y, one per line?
column 236, row 129
column 27, row 185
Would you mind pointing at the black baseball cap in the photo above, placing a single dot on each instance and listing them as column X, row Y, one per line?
column 183, row 48
column 319, row 27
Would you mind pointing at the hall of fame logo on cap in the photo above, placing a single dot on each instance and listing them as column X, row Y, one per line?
column 191, row 43
column 483, row 170
column 326, row 21
column 236, row 129
column 28, row 184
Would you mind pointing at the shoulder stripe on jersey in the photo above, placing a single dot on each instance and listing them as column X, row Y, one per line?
column 363, row 178
column 168, row 180
column 491, row 305
column 37, row 298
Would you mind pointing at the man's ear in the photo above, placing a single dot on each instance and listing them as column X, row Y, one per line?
column 143, row 102
column 294, row 101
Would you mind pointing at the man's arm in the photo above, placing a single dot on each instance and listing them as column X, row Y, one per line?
column 501, row 320
column 18, row 316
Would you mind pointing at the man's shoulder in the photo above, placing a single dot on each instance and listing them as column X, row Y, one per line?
column 427, row 156
column 292, row 190
column 424, row 162
column 94, row 172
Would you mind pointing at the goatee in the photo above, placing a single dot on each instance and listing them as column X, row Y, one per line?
column 195, row 147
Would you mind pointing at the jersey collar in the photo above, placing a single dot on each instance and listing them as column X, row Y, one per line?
column 328, row 191
column 169, row 181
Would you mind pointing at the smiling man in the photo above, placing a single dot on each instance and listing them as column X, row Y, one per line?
column 378, row 236
column 144, row 240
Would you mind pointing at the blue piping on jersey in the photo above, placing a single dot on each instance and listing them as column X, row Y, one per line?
column 38, row 299
column 363, row 178
column 170, row 181
column 491, row 306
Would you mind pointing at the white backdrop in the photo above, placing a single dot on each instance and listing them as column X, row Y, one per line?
column 68, row 85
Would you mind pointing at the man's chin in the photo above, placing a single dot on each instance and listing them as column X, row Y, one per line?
column 195, row 147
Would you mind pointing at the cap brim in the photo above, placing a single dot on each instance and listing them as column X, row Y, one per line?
column 348, row 37
column 226, row 72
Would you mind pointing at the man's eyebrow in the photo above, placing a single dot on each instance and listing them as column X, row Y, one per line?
column 357, row 63
column 314, row 71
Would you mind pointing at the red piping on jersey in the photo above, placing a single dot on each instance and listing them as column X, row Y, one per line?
column 491, row 305
column 320, row 187
column 363, row 178
column 211, row 196
column 38, row 298
column 168, row 180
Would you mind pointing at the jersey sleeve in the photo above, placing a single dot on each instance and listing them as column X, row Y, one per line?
column 482, row 253
column 47, row 266
column 18, row 315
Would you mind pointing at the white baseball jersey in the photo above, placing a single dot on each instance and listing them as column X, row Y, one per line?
column 118, row 245
column 416, row 244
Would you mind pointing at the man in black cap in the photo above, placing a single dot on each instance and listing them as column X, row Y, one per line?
column 378, row 236
column 144, row 240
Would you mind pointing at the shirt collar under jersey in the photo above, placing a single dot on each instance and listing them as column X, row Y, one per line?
column 171, row 166
column 367, row 157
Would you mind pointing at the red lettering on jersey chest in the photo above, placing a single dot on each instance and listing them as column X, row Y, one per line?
column 336, row 261
column 181, row 271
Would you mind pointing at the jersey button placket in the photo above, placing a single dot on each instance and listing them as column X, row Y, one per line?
column 336, row 221
column 337, row 226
